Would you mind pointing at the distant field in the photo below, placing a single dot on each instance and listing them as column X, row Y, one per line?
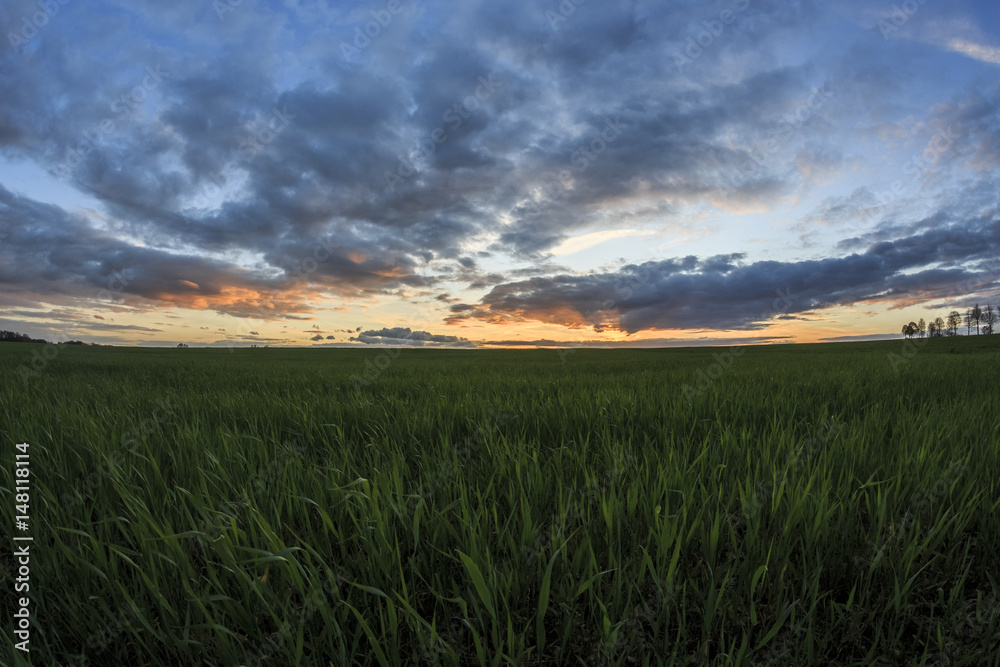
column 808, row 504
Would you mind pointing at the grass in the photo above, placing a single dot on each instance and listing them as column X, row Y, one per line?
column 812, row 505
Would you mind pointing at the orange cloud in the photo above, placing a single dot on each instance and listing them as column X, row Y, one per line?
column 241, row 302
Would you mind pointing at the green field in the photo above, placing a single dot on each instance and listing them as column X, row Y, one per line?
column 814, row 504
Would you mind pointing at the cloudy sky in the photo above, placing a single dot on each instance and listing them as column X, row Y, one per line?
column 495, row 173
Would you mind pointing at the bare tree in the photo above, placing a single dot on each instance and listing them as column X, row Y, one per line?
column 977, row 316
column 989, row 318
column 939, row 326
column 968, row 321
column 954, row 321
column 921, row 328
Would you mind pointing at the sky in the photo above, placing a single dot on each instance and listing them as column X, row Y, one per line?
column 483, row 174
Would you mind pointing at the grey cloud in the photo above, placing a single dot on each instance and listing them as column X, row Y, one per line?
column 719, row 293
column 407, row 337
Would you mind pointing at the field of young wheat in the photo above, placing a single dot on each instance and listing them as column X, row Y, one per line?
column 787, row 505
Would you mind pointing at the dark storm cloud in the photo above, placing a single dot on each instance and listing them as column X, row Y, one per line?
column 50, row 253
column 723, row 293
column 208, row 120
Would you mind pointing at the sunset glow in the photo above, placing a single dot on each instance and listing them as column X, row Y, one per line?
column 617, row 174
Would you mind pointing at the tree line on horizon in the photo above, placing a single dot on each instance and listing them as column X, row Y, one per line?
column 983, row 319
column 15, row 337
